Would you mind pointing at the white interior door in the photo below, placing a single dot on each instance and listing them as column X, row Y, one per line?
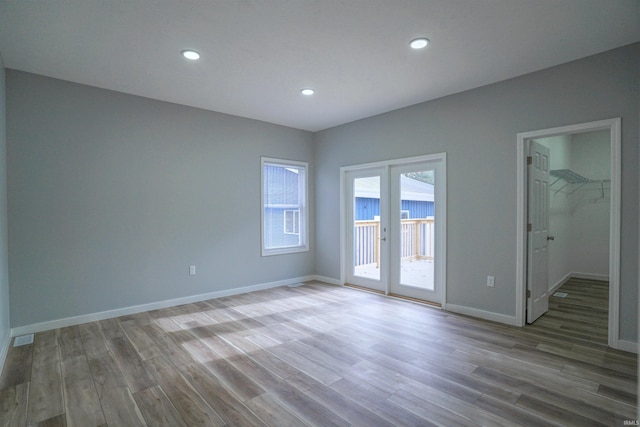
column 394, row 222
column 538, row 232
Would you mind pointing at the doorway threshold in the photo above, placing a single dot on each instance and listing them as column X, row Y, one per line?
column 416, row 300
column 398, row 296
column 363, row 288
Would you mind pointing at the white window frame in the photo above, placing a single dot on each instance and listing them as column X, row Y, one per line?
column 295, row 223
column 303, row 211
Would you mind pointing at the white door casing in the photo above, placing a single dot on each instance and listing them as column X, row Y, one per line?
column 614, row 126
column 538, row 232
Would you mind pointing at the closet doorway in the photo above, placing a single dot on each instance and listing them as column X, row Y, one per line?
column 583, row 213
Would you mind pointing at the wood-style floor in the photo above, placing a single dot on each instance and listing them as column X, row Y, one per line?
column 323, row 355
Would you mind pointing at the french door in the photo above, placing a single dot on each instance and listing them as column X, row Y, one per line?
column 394, row 222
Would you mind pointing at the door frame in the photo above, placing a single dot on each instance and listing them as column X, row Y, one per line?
column 441, row 247
column 614, row 127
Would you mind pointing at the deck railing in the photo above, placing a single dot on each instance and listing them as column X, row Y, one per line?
column 417, row 239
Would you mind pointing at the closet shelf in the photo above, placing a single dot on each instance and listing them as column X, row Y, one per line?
column 571, row 177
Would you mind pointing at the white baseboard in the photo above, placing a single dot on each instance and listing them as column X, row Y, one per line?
column 574, row 275
column 630, row 346
column 624, row 345
column 487, row 315
column 328, row 280
column 4, row 349
column 589, row 276
column 561, row 282
column 93, row 317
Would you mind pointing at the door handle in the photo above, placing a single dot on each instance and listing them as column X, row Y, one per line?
column 384, row 239
column 551, row 237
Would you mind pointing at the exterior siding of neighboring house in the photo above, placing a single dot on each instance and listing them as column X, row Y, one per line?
column 275, row 235
column 417, row 200
column 367, row 208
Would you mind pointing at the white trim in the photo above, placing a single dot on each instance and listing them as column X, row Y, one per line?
column 303, row 207
column 343, row 227
column 561, row 282
column 614, row 227
column 614, row 233
column 590, row 276
column 586, row 276
column 77, row 320
column 295, row 221
column 521, row 229
column 443, row 238
column 482, row 314
column 4, row 349
column 630, row 346
column 328, row 280
column 394, row 162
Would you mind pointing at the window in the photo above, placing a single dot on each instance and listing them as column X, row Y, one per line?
column 292, row 222
column 284, row 206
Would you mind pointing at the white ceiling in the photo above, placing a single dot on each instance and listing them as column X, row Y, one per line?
column 258, row 54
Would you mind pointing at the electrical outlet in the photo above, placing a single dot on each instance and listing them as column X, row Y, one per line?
column 192, row 270
column 491, row 281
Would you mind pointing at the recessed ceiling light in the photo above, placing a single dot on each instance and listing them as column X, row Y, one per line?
column 307, row 91
column 419, row 43
column 190, row 54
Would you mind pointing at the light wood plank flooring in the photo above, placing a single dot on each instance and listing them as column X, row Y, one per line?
column 320, row 355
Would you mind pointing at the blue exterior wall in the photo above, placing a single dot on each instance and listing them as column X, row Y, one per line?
column 418, row 209
column 283, row 184
column 368, row 208
column 274, row 235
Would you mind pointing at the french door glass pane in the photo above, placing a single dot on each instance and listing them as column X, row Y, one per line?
column 366, row 227
column 417, row 226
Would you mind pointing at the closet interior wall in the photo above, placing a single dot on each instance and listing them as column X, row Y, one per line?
column 579, row 211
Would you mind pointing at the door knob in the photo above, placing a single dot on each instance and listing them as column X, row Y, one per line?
column 551, row 237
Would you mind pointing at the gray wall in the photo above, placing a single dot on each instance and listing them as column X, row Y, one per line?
column 477, row 129
column 4, row 270
column 113, row 196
